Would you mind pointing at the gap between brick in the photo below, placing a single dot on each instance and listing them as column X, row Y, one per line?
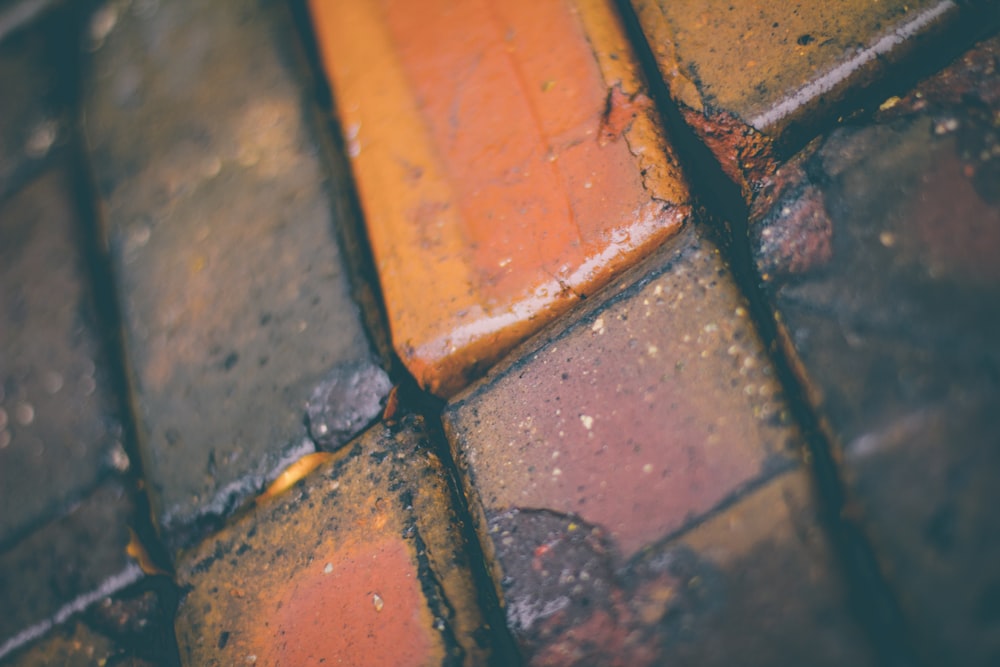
column 723, row 216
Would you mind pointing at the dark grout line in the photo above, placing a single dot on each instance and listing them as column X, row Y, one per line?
column 505, row 652
column 723, row 216
column 355, row 249
column 69, row 65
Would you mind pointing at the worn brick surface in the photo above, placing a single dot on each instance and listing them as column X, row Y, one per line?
column 58, row 429
column 743, row 73
column 523, row 156
column 650, row 411
column 894, row 328
column 234, row 300
column 362, row 564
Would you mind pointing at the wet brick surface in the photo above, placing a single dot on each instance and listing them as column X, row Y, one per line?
column 743, row 73
column 58, row 429
column 646, row 413
column 895, row 327
column 362, row 563
column 524, row 158
column 234, row 299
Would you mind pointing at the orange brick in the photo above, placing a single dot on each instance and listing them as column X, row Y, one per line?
column 509, row 163
column 745, row 72
column 362, row 563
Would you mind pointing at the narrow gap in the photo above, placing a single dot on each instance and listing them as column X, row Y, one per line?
column 69, row 62
column 505, row 652
column 355, row 250
column 358, row 257
column 723, row 216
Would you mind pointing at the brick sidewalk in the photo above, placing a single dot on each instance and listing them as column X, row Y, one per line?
column 556, row 333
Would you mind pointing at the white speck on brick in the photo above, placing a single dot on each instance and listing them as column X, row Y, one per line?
column 587, row 421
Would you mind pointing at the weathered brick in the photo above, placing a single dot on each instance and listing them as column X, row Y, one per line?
column 58, row 428
column 744, row 73
column 894, row 332
column 636, row 420
column 524, row 160
column 363, row 563
column 234, row 300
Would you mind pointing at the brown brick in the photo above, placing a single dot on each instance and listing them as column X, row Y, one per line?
column 646, row 413
column 235, row 302
column 745, row 73
column 363, row 563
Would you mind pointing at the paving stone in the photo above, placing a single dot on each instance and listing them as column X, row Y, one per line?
column 57, row 569
column 363, row 563
column 894, row 325
column 745, row 73
column 31, row 116
column 59, row 433
column 524, row 159
column 639, row 418
column 234, row 300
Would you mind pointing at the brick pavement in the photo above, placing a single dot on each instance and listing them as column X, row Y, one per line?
column 682, row 467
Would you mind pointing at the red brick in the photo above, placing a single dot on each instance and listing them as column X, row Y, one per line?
column 361, row 563
column 508, row 160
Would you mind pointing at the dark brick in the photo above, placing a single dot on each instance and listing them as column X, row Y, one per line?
column 894, row 333
column 234, row 299
column 59, row 432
